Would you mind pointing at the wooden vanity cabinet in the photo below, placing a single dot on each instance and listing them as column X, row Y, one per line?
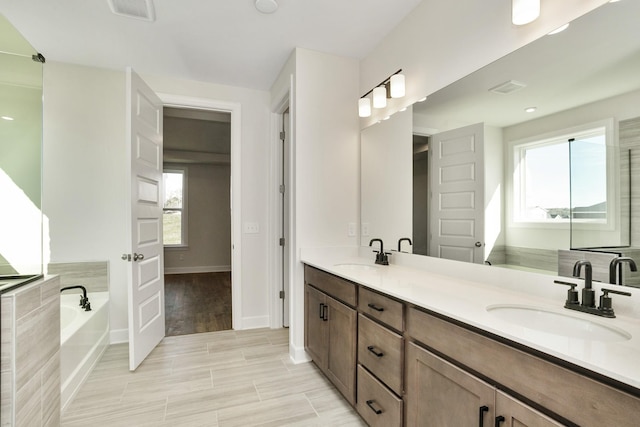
column 331, row 329
column 380, row 359
column 441, row 394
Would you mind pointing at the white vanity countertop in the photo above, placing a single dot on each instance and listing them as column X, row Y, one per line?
column 467, row 300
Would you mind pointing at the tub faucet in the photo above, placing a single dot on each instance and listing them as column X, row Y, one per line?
column 403, row 239
column 613, row 268
column 382, row 257
column 84, row 300
column 588, row 294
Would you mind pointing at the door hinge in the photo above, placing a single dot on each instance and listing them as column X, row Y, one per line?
column 281, row 294
column 282, row 135
column 282, row 241
column 282, row 188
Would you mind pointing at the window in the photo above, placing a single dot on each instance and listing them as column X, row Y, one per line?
column 174, row 218
column 562, row 178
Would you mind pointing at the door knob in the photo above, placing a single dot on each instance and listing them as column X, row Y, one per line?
column 138, row 257
column 478, row 244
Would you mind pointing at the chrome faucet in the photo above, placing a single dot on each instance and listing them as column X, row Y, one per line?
column 588, row 294
column 382, row 257
column 403, row 239
column 614, row 270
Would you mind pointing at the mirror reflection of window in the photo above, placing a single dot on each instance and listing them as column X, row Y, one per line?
column 562, row 178
column 174, row 202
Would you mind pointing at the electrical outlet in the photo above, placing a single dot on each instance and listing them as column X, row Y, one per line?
column 251, row 228
column 351, row 229
column 365, row 229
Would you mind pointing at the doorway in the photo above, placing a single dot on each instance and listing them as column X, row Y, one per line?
column 197, row 220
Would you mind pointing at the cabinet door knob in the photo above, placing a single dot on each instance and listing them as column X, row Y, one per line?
column 375, row 307
column 481, row 411
column 372, row 349
column 370, row 405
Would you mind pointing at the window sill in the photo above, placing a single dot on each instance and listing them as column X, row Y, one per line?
column 176, row 247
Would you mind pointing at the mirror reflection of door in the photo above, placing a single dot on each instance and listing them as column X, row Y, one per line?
column 457, row 185
column 420, row 194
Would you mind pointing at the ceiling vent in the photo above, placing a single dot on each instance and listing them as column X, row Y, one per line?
column 137, row 9
column 508, row 87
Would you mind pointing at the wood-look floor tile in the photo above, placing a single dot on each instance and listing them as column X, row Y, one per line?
column 230, row 378
column 212, row 400
column 273, row 412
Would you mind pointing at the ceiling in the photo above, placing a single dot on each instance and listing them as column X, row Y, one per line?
column 220, row 41
column 597, row 57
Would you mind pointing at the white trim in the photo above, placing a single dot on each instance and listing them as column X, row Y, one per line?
column 170, row 100
column 198, row 269
column 118, row 336
column 255, row 322
column 298, row 354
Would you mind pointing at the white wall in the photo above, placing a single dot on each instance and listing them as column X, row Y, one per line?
column 84, row 171
column 325, row 170
column 84, row 120
column 439, row 42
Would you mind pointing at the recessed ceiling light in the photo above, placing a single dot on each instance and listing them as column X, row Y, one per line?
column 422, row 99
column 7, row 118
column 530, row 109
column 137, row 9
column 266, row 6
column 559, row 29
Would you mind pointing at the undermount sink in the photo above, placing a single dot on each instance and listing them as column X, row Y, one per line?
column 357, row 267
column 557, row 323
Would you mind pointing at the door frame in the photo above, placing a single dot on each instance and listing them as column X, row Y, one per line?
column 283, row 103
column 179, row 101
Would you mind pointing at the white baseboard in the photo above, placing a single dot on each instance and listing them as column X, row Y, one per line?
column 118, row 336
column 197, row 269
column 254, row 322
column 298, row 355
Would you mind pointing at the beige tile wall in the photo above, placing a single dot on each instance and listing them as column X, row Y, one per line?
column 93, row 275
column 30, row 332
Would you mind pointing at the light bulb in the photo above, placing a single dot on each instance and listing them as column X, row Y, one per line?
column 380, row 97
column 524, row 11
column 364, row 107
column 397, row 86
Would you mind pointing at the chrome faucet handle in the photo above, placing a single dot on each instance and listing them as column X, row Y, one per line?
column 606, row 306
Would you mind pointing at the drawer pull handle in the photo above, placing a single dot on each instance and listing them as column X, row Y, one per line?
column 321, row 310
column 325, row 312
column 372, row 349
column 499, row 419
column 483, row 409
column 375, row 307
column 370, row 405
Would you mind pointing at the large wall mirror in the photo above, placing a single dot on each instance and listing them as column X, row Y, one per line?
column 21, row 222
column 532, row 155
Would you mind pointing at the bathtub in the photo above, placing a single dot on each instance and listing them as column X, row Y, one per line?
column 84, row 336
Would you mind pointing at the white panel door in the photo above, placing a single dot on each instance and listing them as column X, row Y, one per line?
column 457, row 215
column 146, row 278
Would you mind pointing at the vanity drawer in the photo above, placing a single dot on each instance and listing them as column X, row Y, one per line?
column 376, row 404
column 381, row 351
column 382, row 308
column 338, row 288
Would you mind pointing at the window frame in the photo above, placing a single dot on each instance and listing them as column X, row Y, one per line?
column 514, row 185
column 182, row 169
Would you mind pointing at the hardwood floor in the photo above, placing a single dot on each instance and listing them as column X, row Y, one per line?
column 199, row 302
column 220, row 379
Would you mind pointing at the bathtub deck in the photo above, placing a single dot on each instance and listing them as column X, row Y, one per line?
column 220, row 379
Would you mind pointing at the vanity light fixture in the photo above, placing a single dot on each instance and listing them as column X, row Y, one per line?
column 524, row 11
column 392, row 87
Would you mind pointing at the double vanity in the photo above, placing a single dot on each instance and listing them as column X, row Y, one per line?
column 428, row 341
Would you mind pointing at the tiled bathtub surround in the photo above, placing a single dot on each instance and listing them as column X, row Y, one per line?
column 31, row 344
column 93, row 275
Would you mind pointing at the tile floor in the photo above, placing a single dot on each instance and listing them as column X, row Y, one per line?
column 218, row 379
